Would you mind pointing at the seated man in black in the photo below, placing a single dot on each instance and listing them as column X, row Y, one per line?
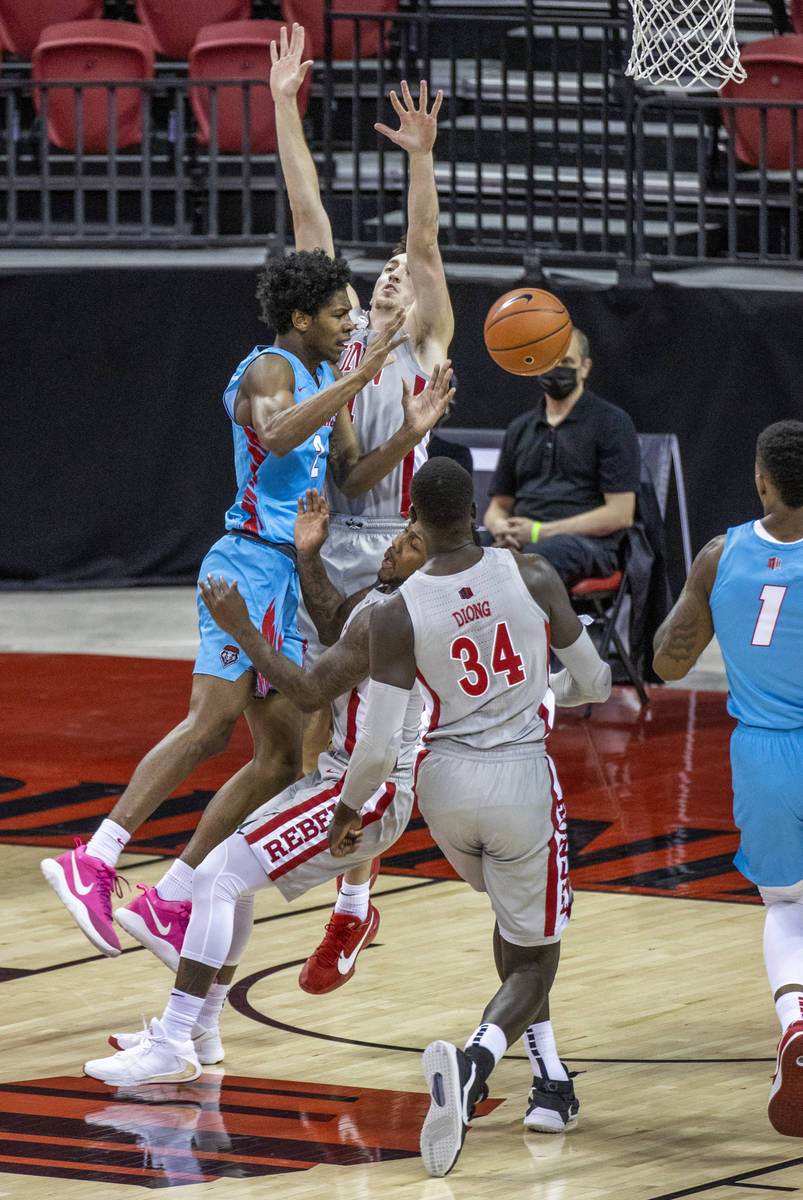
column 568, row 472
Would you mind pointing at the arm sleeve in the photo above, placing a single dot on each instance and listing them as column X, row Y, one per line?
column 377, row 747
column 586, row 678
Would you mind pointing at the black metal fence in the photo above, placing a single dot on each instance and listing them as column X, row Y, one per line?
column 546, row 152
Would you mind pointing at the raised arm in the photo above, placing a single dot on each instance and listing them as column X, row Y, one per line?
column 392, row 666
column 688, row 629
column 356, row 471
column 311, row 225
column 430, row 320
column 338, row 670
column 327, row 607
column 265, row 396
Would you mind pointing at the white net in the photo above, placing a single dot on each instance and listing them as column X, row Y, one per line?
column 684, row 42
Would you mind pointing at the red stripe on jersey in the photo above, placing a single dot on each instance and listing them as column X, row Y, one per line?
column 435, row 711
column 419, row 758
column 257, row 454
column 351, row 721
column 408, row 465
column 543, row 711
column 290, row 814
column 274, row 636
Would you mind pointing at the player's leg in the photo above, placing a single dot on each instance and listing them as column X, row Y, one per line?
column 766, row 769
column 84, row 878
column 167, row 1052
column 352, row 927
column 158, row 917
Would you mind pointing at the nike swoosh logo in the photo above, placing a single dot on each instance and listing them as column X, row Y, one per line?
column 78, row 883
column 163, row 929
column 344, row 964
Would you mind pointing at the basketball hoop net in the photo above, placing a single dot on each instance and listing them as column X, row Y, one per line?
column 684, row 42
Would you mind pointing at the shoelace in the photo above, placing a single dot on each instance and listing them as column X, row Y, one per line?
column 327, row 952
column 110, row 882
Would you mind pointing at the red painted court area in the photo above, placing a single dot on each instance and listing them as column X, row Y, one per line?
column 647, row 791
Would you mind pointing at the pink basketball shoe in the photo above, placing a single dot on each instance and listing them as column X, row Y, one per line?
column 85, row 884
column 158, row 925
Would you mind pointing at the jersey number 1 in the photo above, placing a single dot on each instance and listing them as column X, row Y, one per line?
column 771, row 598
column 504, row 661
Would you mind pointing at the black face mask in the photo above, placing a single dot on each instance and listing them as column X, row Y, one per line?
column 560, row 382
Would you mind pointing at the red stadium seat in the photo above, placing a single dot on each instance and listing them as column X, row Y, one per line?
column 87, row 50
column 309, row 13
column 174, row 24
column 796, row 13
column 774, row 72
column 237, row 50
column 22, row 21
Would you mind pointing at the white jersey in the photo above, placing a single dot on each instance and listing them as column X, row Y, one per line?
column 376, row 413
column 348, row 710
column 482, row 656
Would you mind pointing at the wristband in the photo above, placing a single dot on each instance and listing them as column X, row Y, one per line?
column 536, row 529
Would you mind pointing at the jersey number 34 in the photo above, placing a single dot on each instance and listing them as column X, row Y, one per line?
column 504, row 661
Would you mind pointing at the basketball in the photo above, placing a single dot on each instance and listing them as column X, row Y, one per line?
column 527, row 331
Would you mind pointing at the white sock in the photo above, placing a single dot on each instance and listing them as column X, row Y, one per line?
column 209, row 1016
column 108, row 842
column 181, row 1015
column 789, row 1008
column 539, row 1042
column 353, row 898
column 176, row 883
column 491, row 1038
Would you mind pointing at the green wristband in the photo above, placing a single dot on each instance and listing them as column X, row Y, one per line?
column 535, row 531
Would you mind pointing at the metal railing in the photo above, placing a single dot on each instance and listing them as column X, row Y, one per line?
column 546, row 153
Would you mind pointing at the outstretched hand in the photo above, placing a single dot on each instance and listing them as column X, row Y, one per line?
column 422, row 412
column 345, row 831
column 417, row 127
column 226, row 606
column 312, row 523
column 287, row 72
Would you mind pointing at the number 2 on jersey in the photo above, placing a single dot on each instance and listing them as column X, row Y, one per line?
column 771, row 598
column 504, row 661
column 319, row 448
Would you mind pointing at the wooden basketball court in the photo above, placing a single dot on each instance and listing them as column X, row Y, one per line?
column 660, row 1006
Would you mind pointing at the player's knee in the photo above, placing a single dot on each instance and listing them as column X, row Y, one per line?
column 278, row 765
column 208, row 736
column 791, row 894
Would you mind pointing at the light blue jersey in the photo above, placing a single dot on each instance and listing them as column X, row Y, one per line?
column 268, row 486
column 757, row 606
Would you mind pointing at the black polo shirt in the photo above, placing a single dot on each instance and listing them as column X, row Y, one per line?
column 561, row 470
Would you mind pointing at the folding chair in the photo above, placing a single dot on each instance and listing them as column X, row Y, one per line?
column 174, row 24
column 237, row 50
column 88, row 50
column 774, row 72
column 372, row 34
column 23, row 21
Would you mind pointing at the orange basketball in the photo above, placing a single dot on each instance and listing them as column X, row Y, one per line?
column 527, row 331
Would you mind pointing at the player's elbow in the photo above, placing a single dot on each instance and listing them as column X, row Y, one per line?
column 668, row 669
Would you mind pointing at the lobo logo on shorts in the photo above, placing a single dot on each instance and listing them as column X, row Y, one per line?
column 229, row 655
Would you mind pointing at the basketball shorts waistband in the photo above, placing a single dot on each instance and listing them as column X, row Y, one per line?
column 378, row 525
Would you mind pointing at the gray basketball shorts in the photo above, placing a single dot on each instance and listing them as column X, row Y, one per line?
column 288, row 832
column 352, row 555
column 500, row 820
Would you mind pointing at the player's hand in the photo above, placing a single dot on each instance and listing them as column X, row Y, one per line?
column 422, row 412
column 417, row 127
column 345, row 831
column 379, row 351
column 287, row 72
column 226, row 606
column 312, row 524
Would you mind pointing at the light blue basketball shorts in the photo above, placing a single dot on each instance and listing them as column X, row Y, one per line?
column 268, row 582
column 767, row 768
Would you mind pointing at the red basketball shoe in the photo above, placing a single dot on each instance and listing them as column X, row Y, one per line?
column 332, row 964
column 785, row 1109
